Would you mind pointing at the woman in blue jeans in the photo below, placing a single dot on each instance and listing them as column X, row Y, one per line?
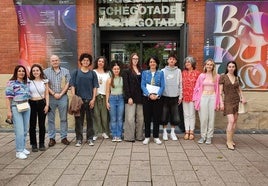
column 18, row 92
column 115, row 101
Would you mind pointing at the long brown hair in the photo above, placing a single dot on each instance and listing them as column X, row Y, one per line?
column 131, row 63
column 115, row 63
column 42, row 74
column 15, row 74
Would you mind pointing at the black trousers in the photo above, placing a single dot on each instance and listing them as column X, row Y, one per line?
column 37, row 111
column 79, row 121
column 152, row 111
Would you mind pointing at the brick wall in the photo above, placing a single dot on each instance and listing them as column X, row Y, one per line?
column 195, row 16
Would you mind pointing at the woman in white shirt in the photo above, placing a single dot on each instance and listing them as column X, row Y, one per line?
column 101, row 123
column 39, row 103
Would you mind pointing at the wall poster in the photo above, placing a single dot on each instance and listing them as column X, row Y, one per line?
column 238, row 30
column 47, row 27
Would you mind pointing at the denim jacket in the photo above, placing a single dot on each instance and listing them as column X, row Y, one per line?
column 158, row 78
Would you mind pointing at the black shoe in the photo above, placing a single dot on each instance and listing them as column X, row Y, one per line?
column 34, row 148
column 52, row 142
column 42, row 147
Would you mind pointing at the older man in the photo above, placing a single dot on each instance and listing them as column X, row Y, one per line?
column 59, row 78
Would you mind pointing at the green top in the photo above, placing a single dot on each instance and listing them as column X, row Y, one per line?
column 118, row 86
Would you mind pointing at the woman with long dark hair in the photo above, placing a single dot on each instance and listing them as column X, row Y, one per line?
column 18, row 92
column 231, row 95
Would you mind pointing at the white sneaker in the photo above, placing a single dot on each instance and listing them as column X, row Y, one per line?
column 173, row 136
column 90, row 143
column 165, row 136
column 114, row 139
column 157, row 141
column 78, row 143
column 146, row 141
column 95, row 138
column 118, row 139
column 21, row 155
column 105, row 136
column 26, row 152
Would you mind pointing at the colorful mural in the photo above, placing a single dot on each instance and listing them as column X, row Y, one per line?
column 238, row 30
column 47, row 27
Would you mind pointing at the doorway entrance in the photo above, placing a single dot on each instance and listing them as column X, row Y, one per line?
column 118, row 44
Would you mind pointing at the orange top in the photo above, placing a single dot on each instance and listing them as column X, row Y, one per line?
column 188, row 83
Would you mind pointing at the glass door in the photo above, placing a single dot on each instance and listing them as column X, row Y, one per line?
column 122, row 50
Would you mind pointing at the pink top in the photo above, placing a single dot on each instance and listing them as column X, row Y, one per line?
column 198, row 90
column 188, row 82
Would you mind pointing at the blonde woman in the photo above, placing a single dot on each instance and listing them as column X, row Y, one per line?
column 207, row 98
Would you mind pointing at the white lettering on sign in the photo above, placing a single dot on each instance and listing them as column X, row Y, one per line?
column 141, row 15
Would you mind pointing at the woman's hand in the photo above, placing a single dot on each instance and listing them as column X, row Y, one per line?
column 108, row 106
column 9, row 114
column 92, row 103
column 130, row 101
column 46, row 109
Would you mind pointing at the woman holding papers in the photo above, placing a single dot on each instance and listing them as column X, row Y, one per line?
column 152, row 85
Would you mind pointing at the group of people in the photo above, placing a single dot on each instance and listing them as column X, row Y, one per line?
column 109, row 96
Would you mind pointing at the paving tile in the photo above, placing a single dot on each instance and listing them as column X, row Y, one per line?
column 17, row 164
column 181, row 165
column 188, row 183
column 140, row 164
column 83, row 159
column 69, row 180
column 222, row 165
column 215, row 156
column 140, row 148
column 120, row 160
column 34, row 168
column 95, row 174
column 159, row 160
column 115, row 180
column 21, row 180
column 212, row 180
column 87, row 152
column 161, row 170
column 139, row 175
column 160, row 180
column 177, row 156
column 118, row 170
column 109, row 149
column 43, row 183
column 122, row 152
column 59, row 163
column 103, row 156
column 156, row 152
column 8, row 173
column 139, row 183
column 204, row 170
column 232, row 177
column 199, row 160
column 185, row 176
column 124, row 145
column 261, row 166
column 174, row 149
column 74, row 169
column 51, row 175
column 139, row 156
column 194, row 152
column 99, row 164
column 90, row 182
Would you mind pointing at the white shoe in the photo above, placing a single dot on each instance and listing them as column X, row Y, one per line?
column 173, row 136
column 146, row 141
column 78, row 143
column 157, row 141
column 26, row 152
column 114, row 139
column 118, row 139
column 165, row 136
column 90, row 143
column 105, row 136
column 95, row 138
column 21, row 155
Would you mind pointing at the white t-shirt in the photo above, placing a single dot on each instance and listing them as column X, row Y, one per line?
column 38, row 85
column 102, row 79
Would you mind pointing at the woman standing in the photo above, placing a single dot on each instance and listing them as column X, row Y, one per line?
column 133, row 128
column 189, row 77
column 18, row 92
column 115, row 101
column 101, row 124
column 152, row 85
column 231, row 95
column 39, row 103
column 207, row 99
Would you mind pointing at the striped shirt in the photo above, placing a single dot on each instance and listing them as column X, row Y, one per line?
column 57, row 80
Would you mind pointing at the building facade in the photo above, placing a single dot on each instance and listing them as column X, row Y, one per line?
column 150, row 26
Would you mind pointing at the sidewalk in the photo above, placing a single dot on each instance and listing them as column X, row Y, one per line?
column 107, row 163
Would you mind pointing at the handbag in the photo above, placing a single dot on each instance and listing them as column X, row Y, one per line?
column 44, row 100
column 242, row 109
column 22, row 107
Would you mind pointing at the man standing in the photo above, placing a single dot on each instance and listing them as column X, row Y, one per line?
column 59, row 78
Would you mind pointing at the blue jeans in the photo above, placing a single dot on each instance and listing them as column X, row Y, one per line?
column 62, row 105
column 116, row 114
column 21, row 125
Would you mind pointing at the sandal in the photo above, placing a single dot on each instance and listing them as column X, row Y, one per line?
column 186, row 136
column 191, row 136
